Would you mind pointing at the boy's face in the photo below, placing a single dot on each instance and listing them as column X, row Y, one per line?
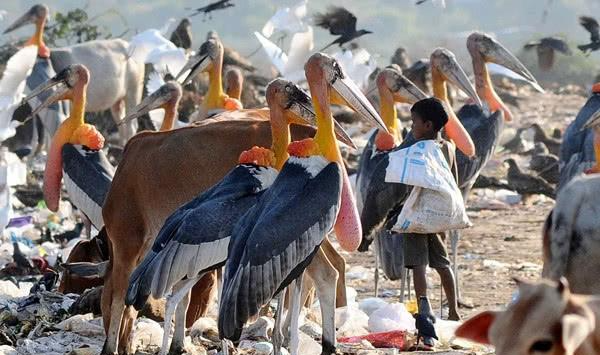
column 421, row 129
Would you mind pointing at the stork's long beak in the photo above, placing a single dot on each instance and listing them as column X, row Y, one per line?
column 354, row 98
column 408, row 92
column 455, row 75
column 195, row 65
column 61, row 89
column 156, row 100
column 302, row 113
column 26, row 19
column 497, row 53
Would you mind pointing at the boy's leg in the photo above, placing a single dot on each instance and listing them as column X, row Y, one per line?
column 438, row 260
column 416, row 258
column 449, row 285
column 420, row 280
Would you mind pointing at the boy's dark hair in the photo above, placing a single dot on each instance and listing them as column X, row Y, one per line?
column 433, row 110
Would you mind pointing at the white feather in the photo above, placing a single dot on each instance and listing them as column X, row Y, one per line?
column 301, row 48
column 142, row 44
column 288, row 20
column 276, row 55
column 12, row 86
column 167, row 60
column 155, row 81
column 291, row 66
column 358, row 65
column 313, row 164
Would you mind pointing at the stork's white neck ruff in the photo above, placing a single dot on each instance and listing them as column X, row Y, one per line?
column 313, row 164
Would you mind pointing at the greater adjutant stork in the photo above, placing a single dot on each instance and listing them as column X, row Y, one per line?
column 119, row 78
column 210, row 59
column 281, row 235
column 485, row 124
column 195, row 238
column 75, row 148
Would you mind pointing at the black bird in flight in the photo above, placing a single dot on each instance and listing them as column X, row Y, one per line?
column 340, row 22
column 591, row 25
column 545, row 50
column 213, row 6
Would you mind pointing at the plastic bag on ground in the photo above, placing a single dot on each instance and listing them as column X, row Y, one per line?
column 391, row 317
column 371, row 304
column 435, row 204
column 351, row 321
column 146, row 333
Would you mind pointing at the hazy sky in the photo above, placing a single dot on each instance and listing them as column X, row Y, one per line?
column 395, row 22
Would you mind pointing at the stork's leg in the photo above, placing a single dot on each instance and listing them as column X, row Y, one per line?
column 169, row 312
column 454, row 239
column 403, row 284
column 376, row 274
column 277, row 338
column 182, row 297
column 295, row 315
column 323, row 274
column 339, row 263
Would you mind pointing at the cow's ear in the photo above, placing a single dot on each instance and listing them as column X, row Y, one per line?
column 476, row 328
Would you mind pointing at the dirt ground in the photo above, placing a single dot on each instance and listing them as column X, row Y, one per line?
column 502, row 244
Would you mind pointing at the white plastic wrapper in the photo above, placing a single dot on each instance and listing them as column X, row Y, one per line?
column 391, row 317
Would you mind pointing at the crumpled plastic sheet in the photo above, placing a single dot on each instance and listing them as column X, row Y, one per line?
column 351, row 321
column 391, row 317
column 59, row 343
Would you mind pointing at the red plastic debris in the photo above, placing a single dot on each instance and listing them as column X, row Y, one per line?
column 394, row 339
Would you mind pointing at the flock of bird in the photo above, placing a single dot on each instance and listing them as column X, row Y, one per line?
column 247, row 198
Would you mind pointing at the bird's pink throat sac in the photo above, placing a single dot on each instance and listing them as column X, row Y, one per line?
column 348, row 229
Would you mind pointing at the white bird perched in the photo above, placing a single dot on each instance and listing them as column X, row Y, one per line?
column 142, row 44
column 12, row 87
column 290, row 65
column 287, row 19
column 151, row 47
column 358, row 64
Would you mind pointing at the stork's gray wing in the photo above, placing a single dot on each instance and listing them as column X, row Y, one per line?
column 275, row 241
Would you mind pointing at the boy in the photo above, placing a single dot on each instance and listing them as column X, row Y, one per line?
column 428, row 117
